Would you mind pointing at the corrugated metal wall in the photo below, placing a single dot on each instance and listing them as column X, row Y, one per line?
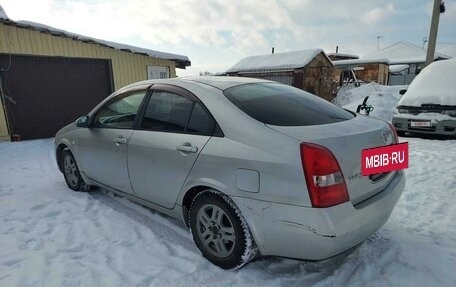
column 126, row 67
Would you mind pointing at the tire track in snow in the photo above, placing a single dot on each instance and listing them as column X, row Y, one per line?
column 160, row 229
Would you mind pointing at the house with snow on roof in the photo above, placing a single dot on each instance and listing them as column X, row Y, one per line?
column 406, row 61
column 309, row 70
column 397, row 64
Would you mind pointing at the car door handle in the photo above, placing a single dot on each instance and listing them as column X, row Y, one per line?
column 120, row 140
column 187, row 147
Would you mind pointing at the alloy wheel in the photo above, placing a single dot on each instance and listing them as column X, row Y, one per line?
column 215, row 230
column 71, row 170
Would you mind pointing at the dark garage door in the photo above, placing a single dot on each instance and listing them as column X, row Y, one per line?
column 43, row 94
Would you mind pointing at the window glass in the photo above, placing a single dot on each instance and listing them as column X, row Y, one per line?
column 282, row 105
column 120, row 113
column 201, row 122
column 167, row 112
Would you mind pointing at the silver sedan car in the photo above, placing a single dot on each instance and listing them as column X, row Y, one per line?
column 252, row 167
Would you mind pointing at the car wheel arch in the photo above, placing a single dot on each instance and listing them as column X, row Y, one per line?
column 187, row 197
column 58, row 154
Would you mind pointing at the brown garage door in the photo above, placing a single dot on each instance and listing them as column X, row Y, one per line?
column 43, row 94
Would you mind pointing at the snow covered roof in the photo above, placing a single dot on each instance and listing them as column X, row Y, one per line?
column 447, row 49
column 403, row 53
column 276, row 62
column 181, row 61
column 359, row 61
column 434, row 85
column 398, row 68
column 3, row 14
column 350, row 64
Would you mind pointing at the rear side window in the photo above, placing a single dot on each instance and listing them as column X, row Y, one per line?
column 283, row 105
column 171, row 112
column 201, row 122
column 167, row 112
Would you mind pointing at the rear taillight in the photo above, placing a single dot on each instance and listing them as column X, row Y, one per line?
column 324, row 177
column 393, row 130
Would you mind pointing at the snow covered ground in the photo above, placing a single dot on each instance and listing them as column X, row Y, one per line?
column 51, row 236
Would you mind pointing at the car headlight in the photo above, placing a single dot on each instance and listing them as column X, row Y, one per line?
column 402, row 111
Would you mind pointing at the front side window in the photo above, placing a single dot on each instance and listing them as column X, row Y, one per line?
column 283, row 105
column 120, row 113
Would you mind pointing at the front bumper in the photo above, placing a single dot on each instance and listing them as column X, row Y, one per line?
column 439, row 127
column 317, row 234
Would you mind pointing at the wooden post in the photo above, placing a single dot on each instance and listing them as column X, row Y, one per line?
column 433, row 32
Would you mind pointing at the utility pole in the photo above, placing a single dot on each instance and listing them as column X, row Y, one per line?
column 439, row 7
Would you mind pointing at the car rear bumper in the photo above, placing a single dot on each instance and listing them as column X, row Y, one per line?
column 442, row 127
column 317, row 234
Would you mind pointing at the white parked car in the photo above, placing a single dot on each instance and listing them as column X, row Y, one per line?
column 429, row 105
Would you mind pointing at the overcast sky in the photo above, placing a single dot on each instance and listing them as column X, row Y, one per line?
column 216, row 34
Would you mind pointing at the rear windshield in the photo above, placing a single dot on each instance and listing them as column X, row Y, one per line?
column 282, row 105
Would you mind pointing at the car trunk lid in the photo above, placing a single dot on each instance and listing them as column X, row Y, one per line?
column 346, row 140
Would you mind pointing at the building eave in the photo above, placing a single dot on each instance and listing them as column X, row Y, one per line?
column 181, row 61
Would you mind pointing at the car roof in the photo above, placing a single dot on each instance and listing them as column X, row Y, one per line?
column 218, row 82
column 223, row 82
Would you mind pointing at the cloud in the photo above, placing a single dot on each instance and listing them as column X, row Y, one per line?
column 378, row 14
column 450, row 12
column 215, row 34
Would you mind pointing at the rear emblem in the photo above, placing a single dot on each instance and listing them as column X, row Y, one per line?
column 385, row 137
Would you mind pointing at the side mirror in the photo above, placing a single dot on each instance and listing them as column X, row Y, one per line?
column 83, row 122
column 401, row 92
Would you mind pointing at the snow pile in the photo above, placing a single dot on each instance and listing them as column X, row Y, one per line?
column 434, row 85
column 382, row 98
column 278, row 61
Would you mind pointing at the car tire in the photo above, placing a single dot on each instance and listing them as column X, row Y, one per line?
column 219, row 230
column 71, row 172
column 400, row 133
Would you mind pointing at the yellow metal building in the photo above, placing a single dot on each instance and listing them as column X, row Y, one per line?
column 128, row 64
